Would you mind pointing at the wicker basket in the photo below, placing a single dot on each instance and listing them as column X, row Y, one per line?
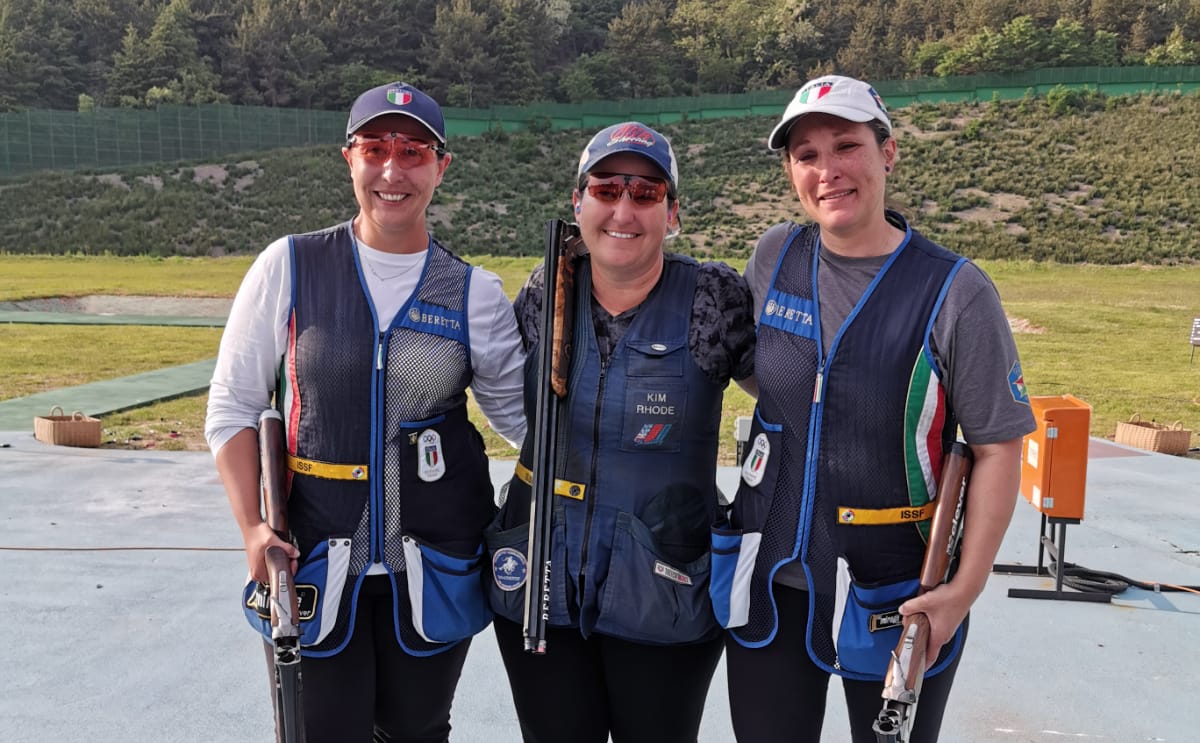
column 75, row 429
column 1172, row 439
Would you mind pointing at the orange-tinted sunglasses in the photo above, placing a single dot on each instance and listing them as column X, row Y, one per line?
column 409, row 153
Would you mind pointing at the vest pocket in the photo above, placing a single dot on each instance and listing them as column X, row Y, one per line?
column 320, row 583
column 510, row 570
column 866, row 622
column 734, row 554
column 446, row 592
column 648, row 599
column 508, row 550
column 760, row 470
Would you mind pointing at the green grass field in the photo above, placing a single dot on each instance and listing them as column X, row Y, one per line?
column 1116, row 337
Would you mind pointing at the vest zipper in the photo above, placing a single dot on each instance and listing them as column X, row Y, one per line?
column 377, row 549
column 591, row 500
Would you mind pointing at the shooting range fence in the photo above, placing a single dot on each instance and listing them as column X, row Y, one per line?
column 110, row 138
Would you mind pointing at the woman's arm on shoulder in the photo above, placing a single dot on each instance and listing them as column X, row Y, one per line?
column 497, row 357
column 721, row 335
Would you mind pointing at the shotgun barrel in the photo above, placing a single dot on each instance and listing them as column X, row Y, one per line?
column 285, row 605
column 558, row 303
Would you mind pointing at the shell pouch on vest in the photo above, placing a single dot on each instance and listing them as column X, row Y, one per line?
column 320, row 583
column 648, row 599
column 735, row 543
column 446, row 592
column 508, row 550
column 867, row 625
column 866, row 621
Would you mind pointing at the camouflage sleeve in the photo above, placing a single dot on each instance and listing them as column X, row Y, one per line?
column 528, row 308
column 721, row 336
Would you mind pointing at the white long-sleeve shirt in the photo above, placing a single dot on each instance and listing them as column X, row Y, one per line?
column 255, row 340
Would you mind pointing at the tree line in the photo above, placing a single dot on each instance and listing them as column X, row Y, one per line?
column 77, row 54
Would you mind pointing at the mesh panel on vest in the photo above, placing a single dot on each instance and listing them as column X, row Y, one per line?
column 360, row 550
column 822, row 565
column 785, row 510
column 393, row 546
column 445, row 373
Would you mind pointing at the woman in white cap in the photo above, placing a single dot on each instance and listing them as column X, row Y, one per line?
column 874, row 346
column 631, row 640
column 365, row 337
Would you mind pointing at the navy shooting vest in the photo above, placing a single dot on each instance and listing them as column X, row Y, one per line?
column 387, row 471
column 843, row 458
column 636, row 472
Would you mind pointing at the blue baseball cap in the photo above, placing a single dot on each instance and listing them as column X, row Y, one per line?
column 397, row 98
column 635, row 137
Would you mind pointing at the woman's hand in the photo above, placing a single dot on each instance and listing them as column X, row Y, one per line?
column 945, row 607
column 257, row 539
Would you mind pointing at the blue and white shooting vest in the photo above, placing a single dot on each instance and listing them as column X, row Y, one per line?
column 386, row 468
column 843, row 459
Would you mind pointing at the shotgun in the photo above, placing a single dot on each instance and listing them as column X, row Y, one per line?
column 906, row 671
column 285, row 607
column 557, row 327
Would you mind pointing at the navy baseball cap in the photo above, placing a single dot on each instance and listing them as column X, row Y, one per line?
column 635, row 137
column 397, row 98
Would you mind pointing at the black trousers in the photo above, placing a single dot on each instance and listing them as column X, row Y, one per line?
column 777, row 694
column 583, row 690
column 373, row 691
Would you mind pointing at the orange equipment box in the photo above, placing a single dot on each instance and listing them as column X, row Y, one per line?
column 1054, row 457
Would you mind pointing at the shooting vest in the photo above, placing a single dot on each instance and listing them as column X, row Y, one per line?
column 843, row 459
column 636, row 490
column 386, row 468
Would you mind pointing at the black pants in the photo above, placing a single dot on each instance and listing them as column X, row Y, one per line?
column 373, row 690
column 777, row 694
column 582, row 690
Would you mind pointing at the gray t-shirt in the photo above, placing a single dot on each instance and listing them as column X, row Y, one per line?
column 971, row 341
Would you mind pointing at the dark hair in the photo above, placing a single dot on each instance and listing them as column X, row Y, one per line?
column 881, row 131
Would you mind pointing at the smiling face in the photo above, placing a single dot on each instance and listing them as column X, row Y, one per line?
column 392, row 199
column 839, row 170
column 623, row 237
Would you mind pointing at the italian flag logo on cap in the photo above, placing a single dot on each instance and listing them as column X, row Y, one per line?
column 820, row 89
column 399, row 97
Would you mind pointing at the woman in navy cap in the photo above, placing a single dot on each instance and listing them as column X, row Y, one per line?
column 631, row 639
column 365, row 337
column 874, row 346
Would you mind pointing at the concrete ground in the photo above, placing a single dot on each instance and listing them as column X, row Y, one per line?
column 120, row 620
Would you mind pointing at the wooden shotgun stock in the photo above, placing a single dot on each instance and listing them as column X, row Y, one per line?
column 906, row 672
column 285, row 604
column 557, row 328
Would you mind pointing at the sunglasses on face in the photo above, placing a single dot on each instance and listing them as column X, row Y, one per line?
column 408, row 153
column 643, row 191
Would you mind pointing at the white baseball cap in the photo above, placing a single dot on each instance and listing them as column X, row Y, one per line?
column 835, row 95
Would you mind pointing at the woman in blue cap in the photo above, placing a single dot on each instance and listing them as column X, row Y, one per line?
column 365, row 337
column 631, row 639
column 875, row 345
